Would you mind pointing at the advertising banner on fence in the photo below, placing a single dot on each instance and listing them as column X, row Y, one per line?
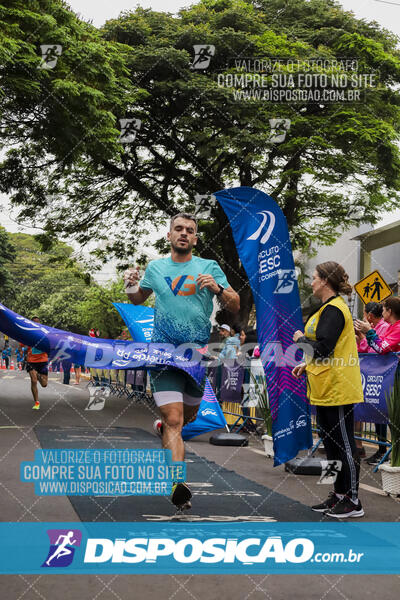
column 377, row 376
column 262, row 240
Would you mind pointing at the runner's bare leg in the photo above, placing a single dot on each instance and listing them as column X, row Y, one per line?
column 172, row 418
column 34, row 388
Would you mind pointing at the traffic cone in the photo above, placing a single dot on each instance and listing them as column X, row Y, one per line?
column 12, row 368
column 3, row 365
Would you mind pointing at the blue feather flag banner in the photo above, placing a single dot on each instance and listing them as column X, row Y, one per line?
column 138, row 319
column 262, row 240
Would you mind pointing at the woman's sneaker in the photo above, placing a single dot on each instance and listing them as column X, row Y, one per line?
column 158, row 427
column 327, row 505
column 346, row 508
column 376, row 458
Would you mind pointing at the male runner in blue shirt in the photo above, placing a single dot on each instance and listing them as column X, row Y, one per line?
column 184, row 286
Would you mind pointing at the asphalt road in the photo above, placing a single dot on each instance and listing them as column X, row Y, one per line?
column 64, row 407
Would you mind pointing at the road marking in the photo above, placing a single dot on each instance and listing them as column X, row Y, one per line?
column 262, row 452
column 9, row 376
column 370, row 488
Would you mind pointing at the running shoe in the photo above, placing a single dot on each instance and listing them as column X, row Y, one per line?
column 36, row 406
column 329, row 503
column 345, row 508
column 376, row 458
column 181, row 495
column 158, row 427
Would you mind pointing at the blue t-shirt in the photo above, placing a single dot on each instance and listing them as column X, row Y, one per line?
column 230, row 347
column 182, row 311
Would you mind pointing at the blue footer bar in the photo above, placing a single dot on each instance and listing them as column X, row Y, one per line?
column 208, row 548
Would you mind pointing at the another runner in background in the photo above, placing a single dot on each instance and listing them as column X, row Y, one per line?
column 37, row 367
column 6, row 354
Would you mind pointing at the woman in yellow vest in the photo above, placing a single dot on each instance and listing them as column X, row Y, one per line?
column 334, row 384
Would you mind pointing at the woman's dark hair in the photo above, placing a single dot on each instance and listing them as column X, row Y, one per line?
column 236, row 328
column 336, row 276
column 374, row 308
column 394, row 305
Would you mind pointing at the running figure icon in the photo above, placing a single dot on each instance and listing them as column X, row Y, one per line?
column 62, row 549
column 378, row 287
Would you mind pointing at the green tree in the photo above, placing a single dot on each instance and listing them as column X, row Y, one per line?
column 32, row 262
column 47, row 291
column 96, row 309
column 7, row 256
column 196, row 137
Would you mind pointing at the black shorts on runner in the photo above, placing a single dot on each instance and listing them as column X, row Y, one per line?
column 39, row 367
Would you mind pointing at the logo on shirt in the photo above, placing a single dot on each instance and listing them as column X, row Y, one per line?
column 178, row 286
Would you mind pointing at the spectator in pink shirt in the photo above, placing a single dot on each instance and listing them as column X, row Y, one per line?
column 372, row 314
column 382, row 343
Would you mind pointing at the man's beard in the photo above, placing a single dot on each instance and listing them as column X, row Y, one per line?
column 183, row 251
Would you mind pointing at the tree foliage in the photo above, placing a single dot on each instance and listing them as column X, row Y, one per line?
column 7, row 256
column 67, row 167
column 54, row 286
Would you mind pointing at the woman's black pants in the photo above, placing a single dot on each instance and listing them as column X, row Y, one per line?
column 336, row 426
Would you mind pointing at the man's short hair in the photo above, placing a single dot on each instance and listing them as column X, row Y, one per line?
column 183, row 215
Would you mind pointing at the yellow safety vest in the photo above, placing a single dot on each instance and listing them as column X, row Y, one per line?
column 336, row 379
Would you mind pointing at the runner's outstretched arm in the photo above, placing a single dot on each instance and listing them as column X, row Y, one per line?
column 140, row 296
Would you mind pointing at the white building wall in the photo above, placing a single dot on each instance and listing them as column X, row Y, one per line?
column 346, row 252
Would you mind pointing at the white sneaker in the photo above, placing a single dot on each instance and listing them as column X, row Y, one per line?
column 158, row 427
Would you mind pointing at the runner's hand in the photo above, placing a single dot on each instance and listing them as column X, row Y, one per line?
column 299, row 370
column 207, row 281
column 131, row 277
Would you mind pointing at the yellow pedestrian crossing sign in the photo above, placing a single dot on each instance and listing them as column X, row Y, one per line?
column 373, row 288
